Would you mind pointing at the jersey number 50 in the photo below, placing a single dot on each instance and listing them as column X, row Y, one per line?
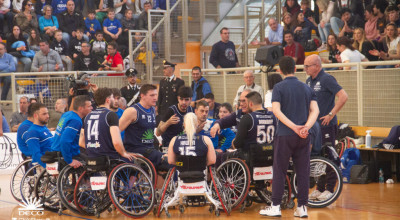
column 265, row 134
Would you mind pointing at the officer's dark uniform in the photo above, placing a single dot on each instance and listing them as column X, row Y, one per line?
column 168, row 92
column 129, row 91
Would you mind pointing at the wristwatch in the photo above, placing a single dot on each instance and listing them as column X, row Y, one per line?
column 330, row 114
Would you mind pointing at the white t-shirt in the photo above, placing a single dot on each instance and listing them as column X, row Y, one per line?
column 353, row 56
column 392, row 46
column 268, row 99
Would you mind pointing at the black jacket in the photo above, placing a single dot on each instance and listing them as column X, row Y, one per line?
column 168, row 94
column 69, row 23
column 75, row 46
column 128, row 93
column 60, row 47
column 86, row 63
column 216, row 110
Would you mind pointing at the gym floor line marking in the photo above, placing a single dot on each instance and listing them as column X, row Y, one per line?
column 361, row 210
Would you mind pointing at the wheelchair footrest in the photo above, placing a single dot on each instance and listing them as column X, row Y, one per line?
column 196, row 201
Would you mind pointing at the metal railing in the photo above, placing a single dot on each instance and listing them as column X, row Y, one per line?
column 374, row 94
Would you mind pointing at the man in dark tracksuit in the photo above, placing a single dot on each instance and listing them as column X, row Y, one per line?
column 200, row 85
column 295, row 105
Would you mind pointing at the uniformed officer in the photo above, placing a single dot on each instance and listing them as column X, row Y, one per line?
column 169, row 86
column 131, row 91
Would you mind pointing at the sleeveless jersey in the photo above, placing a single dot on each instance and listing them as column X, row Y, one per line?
column 176, row 129
column 263, row 129
column 98, row 140
column 140, row 133
column 198, row 148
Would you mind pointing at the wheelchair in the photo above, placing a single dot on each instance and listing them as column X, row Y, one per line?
column 188, row 178
column 248, row 177
column 16, row 178
column 91, row 195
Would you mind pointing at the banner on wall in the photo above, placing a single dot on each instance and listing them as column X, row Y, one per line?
column 10, row 156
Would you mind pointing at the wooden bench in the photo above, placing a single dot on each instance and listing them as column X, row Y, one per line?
column 379, row 132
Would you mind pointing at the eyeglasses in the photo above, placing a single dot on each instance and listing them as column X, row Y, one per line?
column 242, row 100
column 308, row 66
column 29, row 4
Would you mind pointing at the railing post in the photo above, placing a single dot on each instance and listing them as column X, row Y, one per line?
column 14, row 93
column 185, row 24
column 245, row 48
column 262, row 25
column 202, row 12
column 167, row 34
column 224, row 82
column 278, row 10
column 149, row 49
column 360, row 102
column 130, row 51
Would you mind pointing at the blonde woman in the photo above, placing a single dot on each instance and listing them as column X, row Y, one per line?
column 190, row 143
column 391, row 46
column 362, row 44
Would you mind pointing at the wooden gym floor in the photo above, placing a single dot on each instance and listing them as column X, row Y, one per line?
column 370, row 201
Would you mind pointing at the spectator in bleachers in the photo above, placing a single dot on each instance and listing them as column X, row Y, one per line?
column 34, row 40
column 61, row 48
column 391, row 46
column 371, row 32
column 214, row 106
column 79, row 4
column 16, row 45
column 293, row 48
column 248, row 77
column 128, row 23
column 86, row 61
column 112, row 28
column 17, row 6
column 39, row 7
column 346, row 24
column 91, row 24
column 48, row 23
column 223, row 53
column 101, row 12
column 70, row 21
column 118, row 5
column 200, row 86
column 333, row 51
column 114, row 59
column 5, row 128
column 363, row 45
column 99, row 46
column 306, row 10
column 287, row 22
column 272, row 79
column 324, row 27
column 302, row 29
column 7, row 65
column 58, row 6
column 143, row 20
column 138, row 6
column 19, row 116
column 348, row 54
column 355, row 6
column 75, row 46
column 26, row 19
column 275, row 34
column 46, row 60
column 32, row 100
column 291, row 6
column 393, row 15
column 379, row 7
column 5, row 14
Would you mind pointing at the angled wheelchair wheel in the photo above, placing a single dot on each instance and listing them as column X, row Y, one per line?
column 16, row 178
column 131, row 190
column 323, row 172
column 264, row 192
column 168, row 190
column 46, row 191
column 28, row 181
column 220, row 191
column 234, row 175
column 89, row 201
column 148, row 167
column 67, row 179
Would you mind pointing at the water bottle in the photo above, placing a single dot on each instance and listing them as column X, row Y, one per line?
column 381, row 178
column 368, row 139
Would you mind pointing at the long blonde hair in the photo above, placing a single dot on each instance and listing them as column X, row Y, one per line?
column 190, row 126
column 358, row 45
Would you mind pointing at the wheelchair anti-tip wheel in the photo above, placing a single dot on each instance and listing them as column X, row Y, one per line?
column 131, row 190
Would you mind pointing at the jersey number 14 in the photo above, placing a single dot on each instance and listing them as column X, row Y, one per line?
column 93, row 130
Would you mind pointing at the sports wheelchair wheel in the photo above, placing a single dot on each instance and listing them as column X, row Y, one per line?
column 27, row 184
column 148, row 167
column 234, row 175
column 320, row 169
column 264, row 192
column 131, row 190
column 66, row 181
column 46, row 191
column 16, row 178
column 220, row 191
column 168, row 190
column 87, row 200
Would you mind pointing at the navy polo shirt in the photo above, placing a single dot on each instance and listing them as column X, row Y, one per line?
column 295, row 98
column 325, row 87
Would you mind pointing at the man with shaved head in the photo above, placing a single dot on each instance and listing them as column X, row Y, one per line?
column 326, row 88
column 249, row 78
column 275, row 34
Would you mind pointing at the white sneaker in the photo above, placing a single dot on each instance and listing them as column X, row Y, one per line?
column 325, row 195
column 322, row 47
column 301, row 212
column 314, row 195
column 273, row 211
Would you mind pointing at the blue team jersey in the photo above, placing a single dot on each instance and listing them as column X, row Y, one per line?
column 98, row 139
column 225, row 139
column 39, row 140
column 263, row 129
column 182, row 147
column 140, row 133
column 120, row 112
column 206, row 132
column 175, row 129
column 66, row 138
column 112, row 26
column 21, row 137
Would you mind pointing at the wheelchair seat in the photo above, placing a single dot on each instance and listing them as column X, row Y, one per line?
column 191, row 169
column 95, row 164
column 51, row 156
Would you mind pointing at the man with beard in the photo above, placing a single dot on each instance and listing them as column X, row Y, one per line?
column 38, row 137
column 85, row 61
column 171, row 124
column 115, row 106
